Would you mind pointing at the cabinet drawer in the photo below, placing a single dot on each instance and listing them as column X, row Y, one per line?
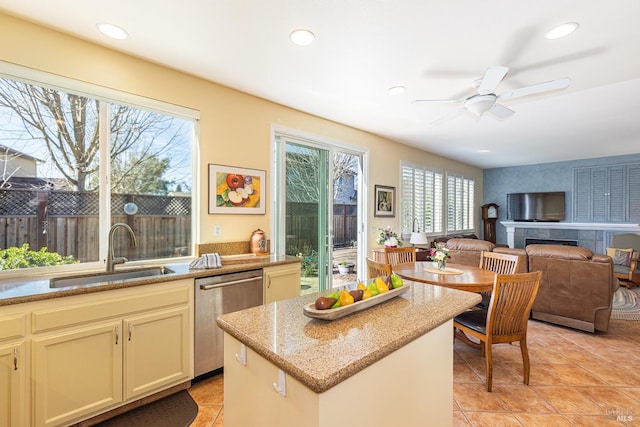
column 48, row 319
column 13, row 327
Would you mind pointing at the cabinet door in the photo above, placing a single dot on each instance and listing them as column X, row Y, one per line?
column 582, row 195
column 617, row 206
column 156, row 351
column 633, row 189
column 281, row 282
column 603, row 194
column 12, row 384
column 77, row 373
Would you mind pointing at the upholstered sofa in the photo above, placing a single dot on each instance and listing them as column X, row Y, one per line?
column 577, row 286
column 468, row 251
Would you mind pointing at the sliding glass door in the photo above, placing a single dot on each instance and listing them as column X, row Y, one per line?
column 317, row 211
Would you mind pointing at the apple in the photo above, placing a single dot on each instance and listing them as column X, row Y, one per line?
column 236, row 198
column 234, row 181
column 244, row 193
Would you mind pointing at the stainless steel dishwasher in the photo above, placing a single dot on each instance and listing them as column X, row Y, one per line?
column 214, row 296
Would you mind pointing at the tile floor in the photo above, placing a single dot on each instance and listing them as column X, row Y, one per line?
column 577, row 379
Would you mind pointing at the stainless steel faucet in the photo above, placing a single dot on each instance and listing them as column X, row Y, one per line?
column 111, row 258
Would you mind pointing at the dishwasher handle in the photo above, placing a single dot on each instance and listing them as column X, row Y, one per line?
column 233, row 282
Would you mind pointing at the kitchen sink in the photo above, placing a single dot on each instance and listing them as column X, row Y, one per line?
column 90, row 279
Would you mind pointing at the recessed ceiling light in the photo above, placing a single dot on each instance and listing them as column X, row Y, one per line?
column 484, row 151
column 302, row 37
column 562, row 30
column 113, row 31
column 396, row 90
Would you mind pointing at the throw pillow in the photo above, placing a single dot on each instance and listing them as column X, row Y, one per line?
column 620, row 256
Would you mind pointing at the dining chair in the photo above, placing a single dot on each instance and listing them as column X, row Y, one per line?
column 395, row 256
column 499, row 263
column 505, row 321
column 377, row 269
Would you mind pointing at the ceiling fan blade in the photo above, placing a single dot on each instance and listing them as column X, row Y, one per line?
column 539, row 88
column 501, row 111
column 492, row 79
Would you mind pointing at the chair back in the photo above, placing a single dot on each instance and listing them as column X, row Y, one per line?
column 499, row 263
column 377, row 269
column 395, row 256
column 510, row 306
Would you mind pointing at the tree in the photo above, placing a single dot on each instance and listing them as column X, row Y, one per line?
column 68, row 125
column 302, row 173
column 137, row 176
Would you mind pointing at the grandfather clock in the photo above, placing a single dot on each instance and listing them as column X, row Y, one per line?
column 489, row 217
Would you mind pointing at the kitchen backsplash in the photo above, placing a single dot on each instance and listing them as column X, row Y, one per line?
column 225, row 248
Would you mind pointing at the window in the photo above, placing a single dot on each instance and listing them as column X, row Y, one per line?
column 421, row 199
column 73, row 164
column 460, row 205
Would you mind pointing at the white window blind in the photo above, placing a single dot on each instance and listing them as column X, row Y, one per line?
column 421, row 199
column 460, row 203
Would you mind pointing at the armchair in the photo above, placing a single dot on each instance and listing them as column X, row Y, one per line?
column 624, row 254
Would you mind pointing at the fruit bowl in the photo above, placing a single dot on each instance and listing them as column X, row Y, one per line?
column 337, row 313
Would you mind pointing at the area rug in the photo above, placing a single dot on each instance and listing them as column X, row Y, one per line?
column 177, row 410
column 626, row 304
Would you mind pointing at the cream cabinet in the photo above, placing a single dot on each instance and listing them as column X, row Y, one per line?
column 13, row 368
column 96, row 352
column 281, row 282
column 77, row 372
column 156, row 351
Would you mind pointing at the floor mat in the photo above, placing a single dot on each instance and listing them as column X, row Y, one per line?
column 626, row 304
column 177, row 410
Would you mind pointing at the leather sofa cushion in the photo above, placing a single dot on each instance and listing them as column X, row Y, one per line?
column 470, row 245
column 562, row 252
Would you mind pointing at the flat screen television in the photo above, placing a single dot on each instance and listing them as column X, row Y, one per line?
column 547, row 206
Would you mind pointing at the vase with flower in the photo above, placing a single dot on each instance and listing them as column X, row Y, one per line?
column 439, row 254
column 388, row 238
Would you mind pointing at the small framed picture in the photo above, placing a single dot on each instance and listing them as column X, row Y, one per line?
column 234, row 190
column 385, row 201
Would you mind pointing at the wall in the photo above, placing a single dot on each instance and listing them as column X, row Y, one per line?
column 541, row 177
column 231, row 122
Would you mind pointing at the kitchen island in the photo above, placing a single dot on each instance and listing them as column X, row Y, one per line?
column 391, row 364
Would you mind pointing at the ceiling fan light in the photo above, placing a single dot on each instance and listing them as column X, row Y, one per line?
column 562, row 30
column 480, row 104
column 302, row 37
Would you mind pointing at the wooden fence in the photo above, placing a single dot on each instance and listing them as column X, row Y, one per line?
column 302, row 226
column 67, row 223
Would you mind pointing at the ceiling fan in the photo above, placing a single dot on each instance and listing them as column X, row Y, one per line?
column 486, row 100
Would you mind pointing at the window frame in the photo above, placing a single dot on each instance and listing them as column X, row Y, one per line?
column 110, row 96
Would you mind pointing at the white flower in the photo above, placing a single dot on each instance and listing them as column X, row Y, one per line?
column 439, row 253
column 391, row 241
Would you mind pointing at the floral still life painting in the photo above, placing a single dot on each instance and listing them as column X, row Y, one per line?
column 236, row 190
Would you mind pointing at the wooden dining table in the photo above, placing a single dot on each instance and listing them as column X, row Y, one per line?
column 456, row 276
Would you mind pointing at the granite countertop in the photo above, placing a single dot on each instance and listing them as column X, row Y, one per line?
column 25, row 289
column 321, row 354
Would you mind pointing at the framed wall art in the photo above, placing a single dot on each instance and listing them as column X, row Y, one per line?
column 235, row 190
column 385, row 201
